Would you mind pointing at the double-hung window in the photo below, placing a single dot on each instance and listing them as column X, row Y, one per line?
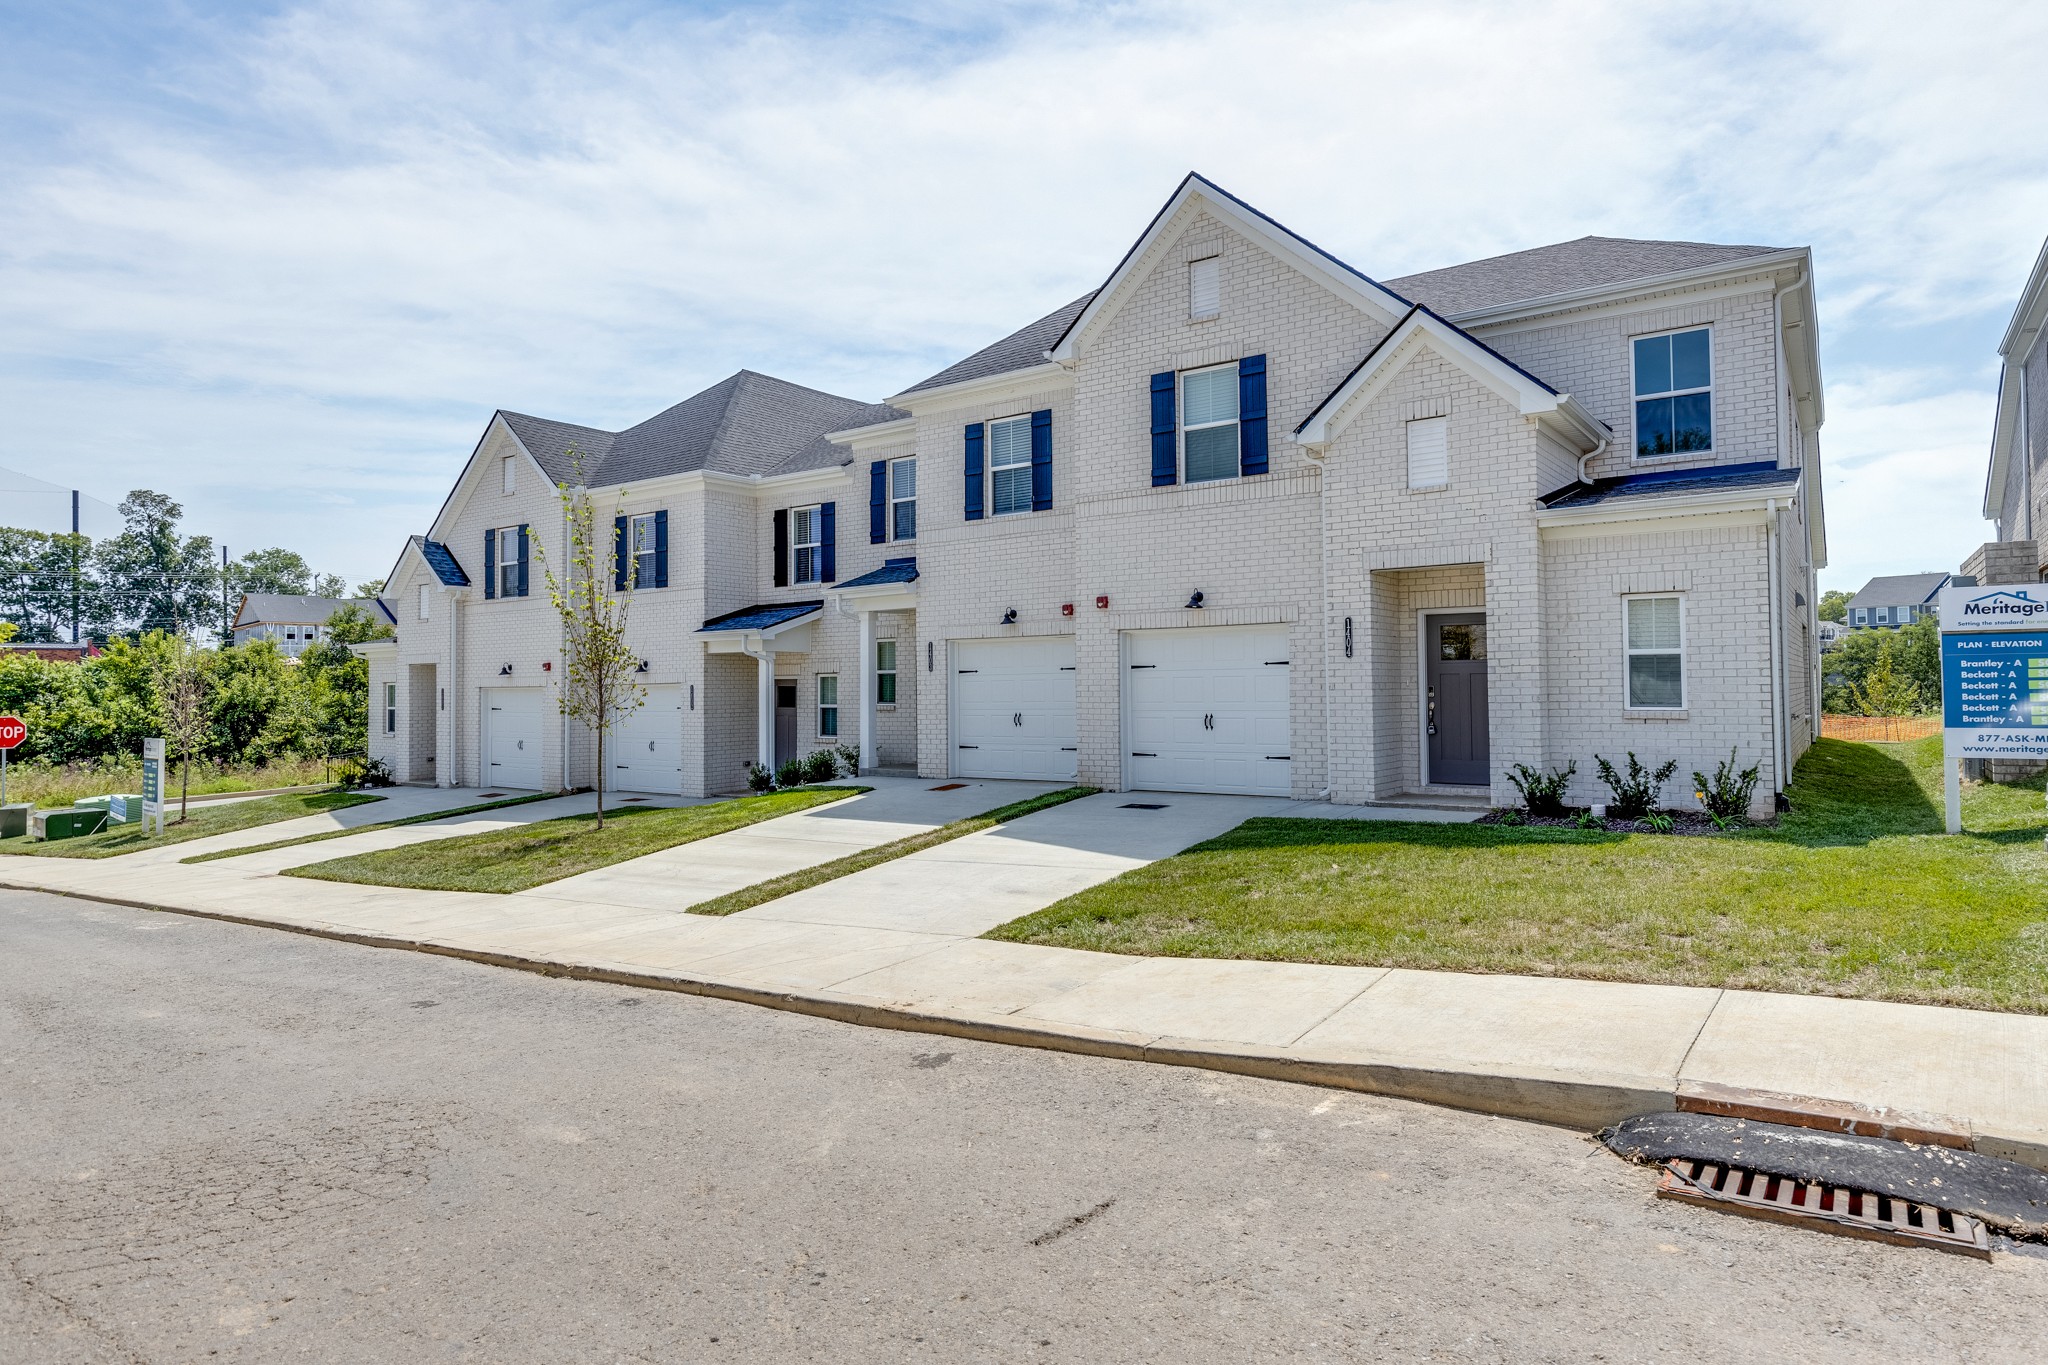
column 828, row 705
column 1674, row 387
column 806, row 560
column 903, row 499
column 1009, row 465
column 1655, row 648
column 508, row 560
column 390, row 708
column 641, row 529
column 1208, row 424
column 885, row 672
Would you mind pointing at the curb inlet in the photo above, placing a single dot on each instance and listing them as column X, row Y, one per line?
column 1827, row 1208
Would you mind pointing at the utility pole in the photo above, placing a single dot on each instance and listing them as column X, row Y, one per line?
column 74, row 566
column 226, row 626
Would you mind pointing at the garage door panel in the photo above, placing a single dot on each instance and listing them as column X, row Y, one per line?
column 1208, row 709
column 513, row 717
column 645, row 752
column 1013, row 708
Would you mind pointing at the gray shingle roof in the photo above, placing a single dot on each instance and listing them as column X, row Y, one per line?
column 1588, row 263
column 442, row 561
column 749, row 424
column 1666, row 483
column 761, row 616
column 892, row 571
column 1020, row 350
column 275, row 608
column 1899, row 590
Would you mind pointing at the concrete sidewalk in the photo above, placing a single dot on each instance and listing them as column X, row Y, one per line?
column 891, row 947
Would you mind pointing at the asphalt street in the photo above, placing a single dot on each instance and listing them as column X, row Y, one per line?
column 221, row 1143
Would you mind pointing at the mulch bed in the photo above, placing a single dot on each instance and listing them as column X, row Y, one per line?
column 1682, row 822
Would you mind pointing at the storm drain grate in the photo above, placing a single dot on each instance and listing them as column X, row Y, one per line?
column 948, row 787
column 629, row 800
column 1142, row 805
column 1854, row 1213
column 486, row 796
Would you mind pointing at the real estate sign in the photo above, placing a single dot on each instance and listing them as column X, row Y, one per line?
column 152, row 786
column 1994, row 678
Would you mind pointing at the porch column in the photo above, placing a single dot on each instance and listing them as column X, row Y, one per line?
column 867, row 692
column 764, row 710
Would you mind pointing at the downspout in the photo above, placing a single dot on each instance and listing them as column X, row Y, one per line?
column 1777, row 651
column 455, row 692
column 1586, row 460
column 2026, row 444
column 562, row 653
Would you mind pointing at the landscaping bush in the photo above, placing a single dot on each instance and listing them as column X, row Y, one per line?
column 822, row 765
column 849, row 759
column 364, row 772
column 790, row 773
column 759, row 779
column 1635, row 795
column 1543, row 792
column 1727, row 796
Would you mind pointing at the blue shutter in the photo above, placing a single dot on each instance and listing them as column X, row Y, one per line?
column 1165, row 459
column 661, row 548
column 976, row 433
column 621, row 552
column 1041, row 460
column 878, row 503
column 522, row 559
column 828, row 542
column 1251, row 415
column 490, row 564
column 781, row 523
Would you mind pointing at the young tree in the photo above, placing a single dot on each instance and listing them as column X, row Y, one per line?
column 598, row 685
column 1886, row 691
column 183, row 695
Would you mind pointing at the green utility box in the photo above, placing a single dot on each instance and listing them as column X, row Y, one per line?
column 121, row 810
column 67, row 824
column 14, row 819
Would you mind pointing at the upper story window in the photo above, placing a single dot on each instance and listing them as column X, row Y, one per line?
column 1656, row 652
column 1209, row 428
column 508, row 560
column 508, row 475
column 903, row 499
column 426, row 602
column 643, row 545
column 805, row 540
column 1009, row 465
column 1205, row 288
column 1674, row 389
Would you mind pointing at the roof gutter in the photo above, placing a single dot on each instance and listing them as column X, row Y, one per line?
column 1645, row 506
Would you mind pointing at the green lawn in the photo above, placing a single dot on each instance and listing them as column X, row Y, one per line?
column 776, row 888
column 428, row 818
column 527, row 856
column 1856, row 892
column 223, row 818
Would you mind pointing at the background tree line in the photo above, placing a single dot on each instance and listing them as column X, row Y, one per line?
column 148, row 577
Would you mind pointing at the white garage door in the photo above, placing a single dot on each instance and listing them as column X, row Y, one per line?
column 1013, row 708
column 1206, row 710
column 645, row 752
column 513, row 717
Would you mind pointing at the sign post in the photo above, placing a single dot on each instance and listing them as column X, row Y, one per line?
column 152, row 785
column 1994, row 679
column 12, row 733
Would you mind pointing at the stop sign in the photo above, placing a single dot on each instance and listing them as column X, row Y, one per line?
column 12, row 732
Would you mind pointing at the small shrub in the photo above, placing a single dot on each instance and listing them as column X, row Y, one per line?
column 1587, row 820
column 363, row 772
column 759, row 779
column 1543, row 792
column 1513, row 817
column 849, row 759
column 790, row 773
column 1727, row 796
column 1635, row 795
column 821, row 765
column 1659, row 822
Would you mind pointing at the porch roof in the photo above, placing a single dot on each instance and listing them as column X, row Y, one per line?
column 894, row 571
column 763, row 616
column 1761, row 475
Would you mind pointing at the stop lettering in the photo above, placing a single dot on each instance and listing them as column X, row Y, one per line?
column 12, row 732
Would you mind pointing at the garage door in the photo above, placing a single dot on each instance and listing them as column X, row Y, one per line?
column 1206, row 710
column 645, row 752
column 513, row 717
column 1013, row 708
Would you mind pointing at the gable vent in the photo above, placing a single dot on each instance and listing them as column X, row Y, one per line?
column 1429, row 452
column 1205, row 287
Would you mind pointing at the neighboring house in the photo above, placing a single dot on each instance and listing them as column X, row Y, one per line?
column 1241, row 520
column 293, row 623
column 1830, row 634
column 2015, row 490
column 1895, row 600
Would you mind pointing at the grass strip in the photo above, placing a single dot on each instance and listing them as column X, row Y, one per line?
column 775, row 888
column 1856, row 891
column 502, row 861
column 203, row 822
column 427, row 818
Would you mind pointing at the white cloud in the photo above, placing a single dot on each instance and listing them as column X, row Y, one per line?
column 304, row 263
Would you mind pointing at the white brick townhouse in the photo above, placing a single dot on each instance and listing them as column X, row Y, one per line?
column 1241, row 520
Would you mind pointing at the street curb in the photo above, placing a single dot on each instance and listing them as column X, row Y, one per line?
column 1554, row 1098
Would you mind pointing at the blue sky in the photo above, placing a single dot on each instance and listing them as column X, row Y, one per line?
column 282, row 261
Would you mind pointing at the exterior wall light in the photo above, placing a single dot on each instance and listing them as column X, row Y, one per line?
column 505, row 672
column 1010, row 617
column 1195, row 602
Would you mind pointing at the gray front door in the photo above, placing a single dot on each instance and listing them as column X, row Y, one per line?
column 1455, row 707
column 785, row 720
